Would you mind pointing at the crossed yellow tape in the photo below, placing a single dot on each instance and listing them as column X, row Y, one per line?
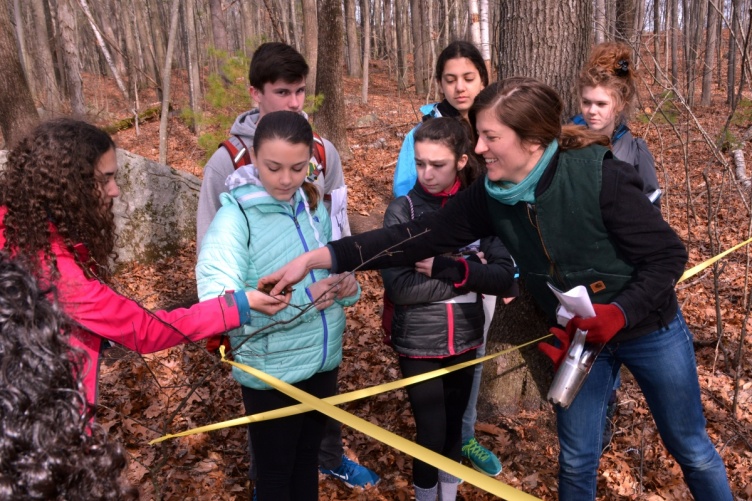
column 327, row 406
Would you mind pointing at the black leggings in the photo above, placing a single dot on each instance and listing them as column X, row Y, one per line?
column 286, row 449
column 438, row 405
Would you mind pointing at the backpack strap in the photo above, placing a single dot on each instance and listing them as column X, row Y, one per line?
column 239, row 152
column 319, row 152
column 412, row 207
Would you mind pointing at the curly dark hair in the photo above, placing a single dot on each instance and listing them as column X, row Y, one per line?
column 50, row 178
column 49, row 446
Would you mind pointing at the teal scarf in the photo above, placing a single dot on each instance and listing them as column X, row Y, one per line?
column 509, row 193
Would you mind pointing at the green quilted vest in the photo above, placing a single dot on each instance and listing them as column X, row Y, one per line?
column 561, row 238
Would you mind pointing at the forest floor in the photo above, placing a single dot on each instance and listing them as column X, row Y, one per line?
column 143, row 397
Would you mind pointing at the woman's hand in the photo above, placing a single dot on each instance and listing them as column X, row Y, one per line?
column 425, row 266
column 266, row 304
column 294, row 271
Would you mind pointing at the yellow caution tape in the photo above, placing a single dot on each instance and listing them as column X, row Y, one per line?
column 469, row 475
column 698, row 268
column 342, row 397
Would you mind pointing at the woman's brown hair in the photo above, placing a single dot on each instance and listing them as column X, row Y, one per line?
column 533, row 110
column 610, row 66
column 50, row 179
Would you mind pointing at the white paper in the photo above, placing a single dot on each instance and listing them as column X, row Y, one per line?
column 574, row 302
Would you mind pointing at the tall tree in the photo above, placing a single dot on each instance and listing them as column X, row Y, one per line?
column 166, row 76
column 219, row 32
column 353, row 41
column 191, row 56
column 17, row 110
column 311, row 40
column 48, row 88
column 530, row 35
column 419, row 61
column 710, row 45
column 366, row 14
column 71, row 58
column 330, row 119
column 530, row 43
column 600, row 21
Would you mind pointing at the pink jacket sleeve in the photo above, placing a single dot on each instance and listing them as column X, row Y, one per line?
column 104, row 312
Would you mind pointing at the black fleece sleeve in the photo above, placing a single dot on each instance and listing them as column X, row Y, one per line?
column 463, row 220
column 495, row 278
column 644, row 238
column 404, row 285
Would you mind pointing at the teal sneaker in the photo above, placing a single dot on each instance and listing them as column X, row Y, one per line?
column 481, row 458
column 352, row 474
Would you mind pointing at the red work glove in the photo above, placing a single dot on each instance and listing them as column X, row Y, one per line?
column 557, row 354
column 608, row 320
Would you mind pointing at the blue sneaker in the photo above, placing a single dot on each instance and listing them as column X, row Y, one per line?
column 481, row 458
column 352, row 474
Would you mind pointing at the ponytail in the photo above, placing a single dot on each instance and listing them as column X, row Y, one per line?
column 574, row 137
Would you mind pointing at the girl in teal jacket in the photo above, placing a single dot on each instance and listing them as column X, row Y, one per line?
column 271, row 215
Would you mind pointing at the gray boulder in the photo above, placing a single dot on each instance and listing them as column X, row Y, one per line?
column 156, row 211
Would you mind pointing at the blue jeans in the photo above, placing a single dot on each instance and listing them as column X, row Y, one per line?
column 663, row 364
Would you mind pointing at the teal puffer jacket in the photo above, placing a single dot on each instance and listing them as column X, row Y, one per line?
column 252, row 235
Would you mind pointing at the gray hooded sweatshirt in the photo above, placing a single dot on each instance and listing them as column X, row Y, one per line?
column 220, row 166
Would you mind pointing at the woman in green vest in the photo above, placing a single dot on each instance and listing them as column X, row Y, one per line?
column 570, row 214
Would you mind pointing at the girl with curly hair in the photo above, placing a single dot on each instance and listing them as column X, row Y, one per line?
column 607, row 93
column 49, row 448
column 56, row 216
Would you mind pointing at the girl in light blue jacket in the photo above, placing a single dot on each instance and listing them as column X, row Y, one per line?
column 271, row 215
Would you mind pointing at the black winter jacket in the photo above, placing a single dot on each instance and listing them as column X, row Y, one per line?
column 433, row 318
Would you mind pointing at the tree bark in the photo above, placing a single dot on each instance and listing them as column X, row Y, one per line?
column 600, row 21
column 485, row 40
column 72, row 66
column 311, row 37
column 167, row 73
column 366, row 13
column 657, row 37
column 17, row 111
column 626, row 12
column 353, row 43
column 23, row 49
column 331, row 119
column 673, row 26
column 219, row 33
column 400, row 12
column 710, row 44
column 530, row 35
column 419, row 61
column 191, row 49
column 530, row 43
column 49, row 91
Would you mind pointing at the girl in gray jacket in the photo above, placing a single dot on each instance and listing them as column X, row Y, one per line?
column 438, row 310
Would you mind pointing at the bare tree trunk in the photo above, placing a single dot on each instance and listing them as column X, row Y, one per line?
column 673, row 27
column 167, row 73
column 400, row 11
column 157, row 36
column 72, row 66
column 131, row 51
column 626, row 11
column 735, row 31
column 600, row 21
column 419, row 61
column 219, row 32
column 530, row 35
column 249, row 32
column 50, row 93
column 311, row 36
column 366, row 13
column 191, row 49
column 474, row 22
column 485, row 41
column 657, row 37
column 710, row 43
column 330, row 119
column 103, row 47
column 17, row 111
column 23, row 49
column 295, row 30
column 353, row 43
column 531, row 31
